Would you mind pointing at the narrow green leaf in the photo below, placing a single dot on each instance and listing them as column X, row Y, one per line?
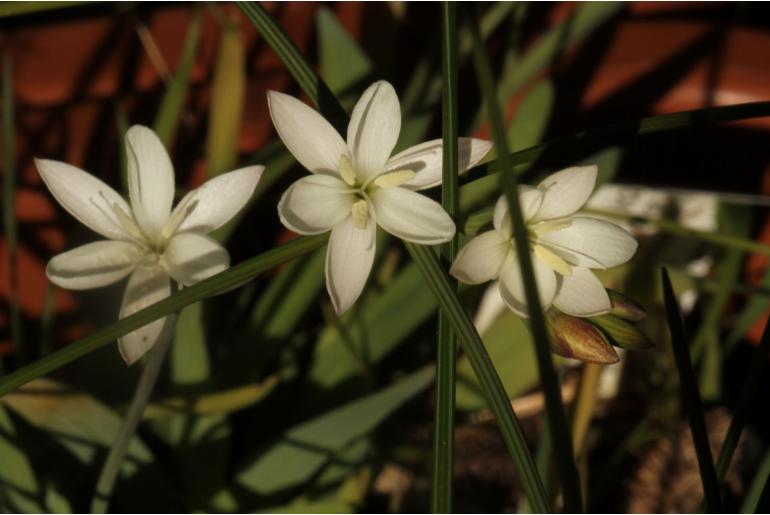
column 234, row 277
column 189, row 358
column 304, row 449
column 749, row 392
column 9, row 9
column 443, row 431
column 557, row 421
column 227, row 96
column 691, row 398
column 19, row 487
column 169, row 112
column 758, row 487
column 342, row 62
column 9, row 211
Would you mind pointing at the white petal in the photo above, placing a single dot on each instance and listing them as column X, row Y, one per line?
column 481, row 258
column 349, row 260
column 93, row 265
column 314, row 204
column 216, row 201
column 512, row 286
column 412, row 216
column 582, row 294
column 85, row 197
column 592, row 243
column 191, row 257
column 529, row 199
column 146, row 286
column 566, row 191
column 426, row 158
column 308, row 136
column 373, row 129
column 150, row 179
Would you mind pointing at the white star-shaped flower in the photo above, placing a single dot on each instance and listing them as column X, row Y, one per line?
column 564, row 247
column 357, row 185
column 145, row 239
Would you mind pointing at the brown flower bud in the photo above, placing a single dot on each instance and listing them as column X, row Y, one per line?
column 626, row 308
column 577, row 338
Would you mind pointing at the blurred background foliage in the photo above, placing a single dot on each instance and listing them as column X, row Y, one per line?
column 268, row 401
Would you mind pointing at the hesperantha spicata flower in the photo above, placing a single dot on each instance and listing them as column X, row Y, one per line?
column 146, row 239
column 564, row 246
column 357, row 185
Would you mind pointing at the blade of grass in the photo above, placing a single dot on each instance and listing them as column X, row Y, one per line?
column 749, row 392
column 691, row 397
column 144, row 388
column 474, row 348
column 443, row 431
column 234, row 277
column 168, row 115
column 432, row 272
column 9, row 210
column 758, row 486
column 557, row 420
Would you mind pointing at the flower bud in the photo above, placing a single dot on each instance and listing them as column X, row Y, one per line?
column 626, row 308
column 622, row 333
column 577, row 338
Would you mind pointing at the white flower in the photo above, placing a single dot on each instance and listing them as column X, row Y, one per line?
column 146, row 239
column 564, row 246
column 357, row 185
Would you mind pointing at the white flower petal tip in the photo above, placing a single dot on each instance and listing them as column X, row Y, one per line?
column 146, row 286
column 307, row 135
column 92, row 202
column 480, row 259
column 150, row 179
column 412, row 216
column 216, row 201
column 349, row 259
column 566, row 191
column 373, row 129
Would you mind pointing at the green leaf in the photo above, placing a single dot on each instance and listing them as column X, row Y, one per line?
column 758, row 487
column 189, row 358
column 227, row 96
column 212, row 403
column 170, row 110
column 531, row 120
column 509, row 345
column 19, row 487
column 303, row 450
column 9, row 9
column 691, row 398
column 342, row 62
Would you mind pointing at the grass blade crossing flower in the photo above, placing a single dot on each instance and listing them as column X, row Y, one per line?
column 146, row 241
column 357, row 184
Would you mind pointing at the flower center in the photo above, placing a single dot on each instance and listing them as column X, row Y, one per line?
column 543, row 252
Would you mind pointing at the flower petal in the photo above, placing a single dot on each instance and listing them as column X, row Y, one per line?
column 85, row 197
column 566, row 191
column 426, row 158
column 592, row 243
column 93, row 265
column 191, row 257
column 481, row 258
column 349, row 260
column 308, row 136
column 314, row 204
column 373, row 129
column 146, row 286
column 512, row 286
column 412, row 216
column 529, row 199
column 150, row 179
column 216, row 201
column 582, row 294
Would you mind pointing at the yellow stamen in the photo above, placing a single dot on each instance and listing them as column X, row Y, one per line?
column 553, row 260
column 394, row 178
column 346, row 171
column 360, row 213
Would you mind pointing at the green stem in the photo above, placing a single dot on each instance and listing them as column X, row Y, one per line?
column 691, row 398
column 109, row 474
column 672, row 227
column 227, row 280
column 443, row 435
column 557, row 421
